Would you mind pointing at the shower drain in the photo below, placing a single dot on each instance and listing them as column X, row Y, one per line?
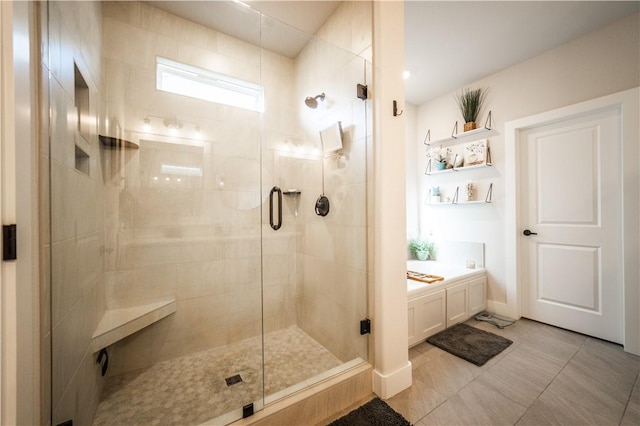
column 233, row 380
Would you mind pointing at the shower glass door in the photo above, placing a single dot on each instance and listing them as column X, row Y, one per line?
column 314, row 262
column 191, row 278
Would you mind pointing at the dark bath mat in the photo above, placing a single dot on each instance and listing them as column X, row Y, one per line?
column 470, row 343
column 374, row 413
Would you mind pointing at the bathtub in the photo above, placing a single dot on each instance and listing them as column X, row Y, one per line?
column 451, row 273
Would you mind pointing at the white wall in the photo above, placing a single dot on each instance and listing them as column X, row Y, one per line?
column 412, row 151
column 603, row 62
column 392, row 372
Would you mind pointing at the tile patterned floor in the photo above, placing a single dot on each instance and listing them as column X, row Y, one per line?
column 547, row 376
column 191, row 389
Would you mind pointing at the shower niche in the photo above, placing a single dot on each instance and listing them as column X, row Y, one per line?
column 82, row 113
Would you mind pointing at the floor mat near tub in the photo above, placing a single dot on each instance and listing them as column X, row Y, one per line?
column 470, row 343
column 374, row 413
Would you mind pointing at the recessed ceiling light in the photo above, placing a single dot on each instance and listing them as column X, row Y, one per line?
column 406, row 74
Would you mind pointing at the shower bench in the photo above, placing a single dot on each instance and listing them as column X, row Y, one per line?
column 116, row 324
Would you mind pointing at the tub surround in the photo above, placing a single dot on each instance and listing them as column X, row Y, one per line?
column 450, row 272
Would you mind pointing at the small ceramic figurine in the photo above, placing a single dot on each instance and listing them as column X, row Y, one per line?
column 469, row 191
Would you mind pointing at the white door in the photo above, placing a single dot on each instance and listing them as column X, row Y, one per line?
column 571, row 198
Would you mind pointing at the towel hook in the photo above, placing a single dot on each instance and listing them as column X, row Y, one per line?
column 395, row 110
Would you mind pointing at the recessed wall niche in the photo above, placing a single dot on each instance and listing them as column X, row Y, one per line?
column 82, row 160
column 81, row 101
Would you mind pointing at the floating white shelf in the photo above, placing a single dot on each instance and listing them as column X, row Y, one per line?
column 116, row 324
column 451, row 203
column 455, row 201
column 457, row 169
column 461, row 136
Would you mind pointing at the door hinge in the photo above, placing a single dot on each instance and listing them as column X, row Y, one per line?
column 362, row 91
column 9, row 242
column 365, row 326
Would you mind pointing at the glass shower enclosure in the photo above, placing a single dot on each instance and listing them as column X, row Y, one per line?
column 193, row 275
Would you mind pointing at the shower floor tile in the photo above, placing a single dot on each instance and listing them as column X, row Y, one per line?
column 192, row 389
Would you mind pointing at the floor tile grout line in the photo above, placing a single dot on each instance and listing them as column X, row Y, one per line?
column 552, row 380
column 434, row 408
column 626, row 407
column 469, row 383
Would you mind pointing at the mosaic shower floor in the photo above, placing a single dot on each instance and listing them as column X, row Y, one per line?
column 192, row 389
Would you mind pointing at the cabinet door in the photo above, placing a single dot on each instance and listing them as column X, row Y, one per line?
column 457, row 304
column 413, row 307
column 426, row 316
column 477, row 295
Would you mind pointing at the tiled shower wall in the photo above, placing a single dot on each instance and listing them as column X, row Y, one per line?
column 200, row 243
column 77, row 199
column 332, row 250
column 197, row 240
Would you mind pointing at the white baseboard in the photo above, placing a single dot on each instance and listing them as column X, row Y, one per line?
column 502, row 309
column 386, row 386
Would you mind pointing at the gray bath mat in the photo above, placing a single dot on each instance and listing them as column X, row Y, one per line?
column 470, row 343
column 374, row 413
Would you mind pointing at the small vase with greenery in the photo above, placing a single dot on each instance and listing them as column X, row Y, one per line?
column 438, row 157
column 470, row 103
column 421, row 248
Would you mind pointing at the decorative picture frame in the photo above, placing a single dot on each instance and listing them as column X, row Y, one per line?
column 475, row 153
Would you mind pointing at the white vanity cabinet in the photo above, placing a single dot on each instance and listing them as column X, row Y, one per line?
column 444, row 304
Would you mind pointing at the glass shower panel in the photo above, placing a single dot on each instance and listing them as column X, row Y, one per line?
column 190, row 273
column 314, row 266
column 156, row 219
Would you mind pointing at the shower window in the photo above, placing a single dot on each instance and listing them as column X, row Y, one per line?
column 183, row 79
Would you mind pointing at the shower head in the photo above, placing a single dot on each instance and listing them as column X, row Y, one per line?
column 313, row 102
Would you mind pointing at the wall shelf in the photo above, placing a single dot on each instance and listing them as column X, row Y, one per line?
column 110, row 142
column 430, row 172
column 457, row 137
column 455, row 201
column 451, row 203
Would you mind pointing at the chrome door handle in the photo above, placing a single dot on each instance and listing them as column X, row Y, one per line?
column 527, row 232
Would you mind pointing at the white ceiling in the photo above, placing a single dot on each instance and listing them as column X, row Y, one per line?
column 448, row 44
column 287, row 34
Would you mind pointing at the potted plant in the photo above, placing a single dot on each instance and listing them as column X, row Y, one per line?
column 421, row 248
column 439, row 156
column 470, row 103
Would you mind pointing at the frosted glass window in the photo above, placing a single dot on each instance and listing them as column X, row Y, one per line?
column 183, row 79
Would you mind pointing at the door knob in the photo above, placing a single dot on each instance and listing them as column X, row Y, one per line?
column 527, row 232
